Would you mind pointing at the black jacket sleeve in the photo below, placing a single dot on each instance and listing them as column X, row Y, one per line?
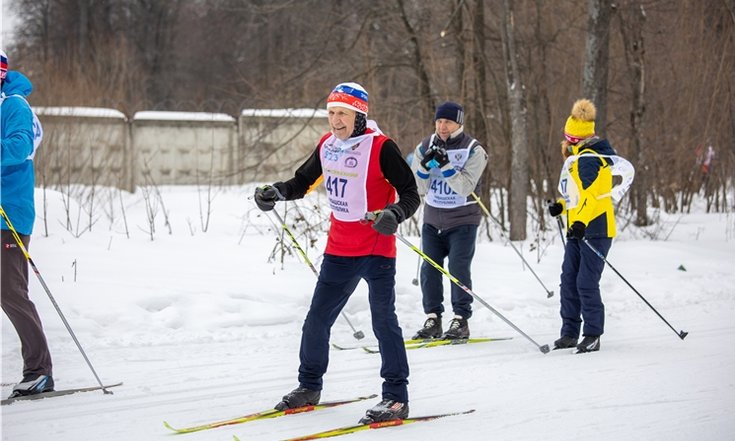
column 306, row 175
column 398, row 173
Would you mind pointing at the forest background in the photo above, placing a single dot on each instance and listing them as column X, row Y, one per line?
column 662, row 73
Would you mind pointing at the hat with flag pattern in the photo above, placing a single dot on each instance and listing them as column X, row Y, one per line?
column 350, row 95
column 3, row 64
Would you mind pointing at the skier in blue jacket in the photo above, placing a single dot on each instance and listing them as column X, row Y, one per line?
column 16, row 197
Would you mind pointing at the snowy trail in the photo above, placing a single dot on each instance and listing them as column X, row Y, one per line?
column 517, row 391
column 201, row 328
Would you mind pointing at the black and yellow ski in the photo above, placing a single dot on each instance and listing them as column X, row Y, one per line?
column 425, row 343
column 346, row 430
column 266, row 414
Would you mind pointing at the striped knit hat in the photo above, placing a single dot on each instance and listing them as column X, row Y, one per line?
column 350, row 95
column 3, row 64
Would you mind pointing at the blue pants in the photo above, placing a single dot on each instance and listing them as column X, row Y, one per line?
column 580, row 287
column 338, row 278
column 458, row 245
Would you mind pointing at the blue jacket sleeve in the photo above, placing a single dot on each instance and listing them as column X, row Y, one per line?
column 589, row 169
column 17, row 131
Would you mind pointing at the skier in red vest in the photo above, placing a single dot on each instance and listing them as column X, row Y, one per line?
column 362, row 171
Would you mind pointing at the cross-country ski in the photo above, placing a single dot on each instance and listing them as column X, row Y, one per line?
column 354, row 428
column 57, row 393
column 266, row 414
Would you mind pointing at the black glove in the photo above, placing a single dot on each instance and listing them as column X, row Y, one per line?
column 441, row 158
column 555, row 208
column 387, row 221
column 427, row 158
column 266, row 197
column 577, row 230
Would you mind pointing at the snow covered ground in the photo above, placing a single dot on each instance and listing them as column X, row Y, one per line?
column 202, row 326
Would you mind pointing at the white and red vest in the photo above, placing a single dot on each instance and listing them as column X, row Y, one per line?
column 355, row 185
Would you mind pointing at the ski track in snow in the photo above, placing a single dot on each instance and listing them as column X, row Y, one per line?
column 201, row 328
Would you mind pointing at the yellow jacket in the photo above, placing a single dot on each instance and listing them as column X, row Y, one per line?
column 591, row 174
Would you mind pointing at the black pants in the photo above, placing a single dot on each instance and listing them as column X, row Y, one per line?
column 458, row 246
column 20, row 309
column 580, row 287
column 338, row 279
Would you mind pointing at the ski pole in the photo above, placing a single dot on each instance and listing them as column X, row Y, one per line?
column 357, row 334
column 487, row 213
column 561, row 230
column 560, row 225
column 680, row 334
column 53, row 301
column 370, row 216
column 415, row 281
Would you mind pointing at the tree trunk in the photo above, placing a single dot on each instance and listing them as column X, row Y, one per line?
column 519, row 137
column 463, row 41
column 480, row 128
column 422, row 74
column 632, row 24
column 545, row 138
column 594, row 77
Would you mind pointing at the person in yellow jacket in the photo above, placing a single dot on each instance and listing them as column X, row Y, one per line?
column 586, row 185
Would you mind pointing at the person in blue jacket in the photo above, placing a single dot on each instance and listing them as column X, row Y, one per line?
column 16, row 197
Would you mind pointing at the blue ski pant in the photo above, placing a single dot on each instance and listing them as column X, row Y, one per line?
column 458, row 246
column 580, row 287
column 338, row 279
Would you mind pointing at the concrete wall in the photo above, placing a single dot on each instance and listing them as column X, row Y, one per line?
column 273, row 143
column 183, row 148
column 102, row 146
column 84, row 145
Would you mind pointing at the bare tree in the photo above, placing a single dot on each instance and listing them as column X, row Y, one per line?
column 481, row 103
column 632, row 24
column 226, row 55
column 424, row 89
column 594, row 78
column 519, row 129
column 543, row 135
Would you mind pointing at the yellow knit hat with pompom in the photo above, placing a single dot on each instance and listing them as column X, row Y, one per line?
column 581, row 123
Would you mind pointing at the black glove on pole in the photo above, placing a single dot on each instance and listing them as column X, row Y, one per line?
column 441, row 157
column 387, row 222
column 427, row 158
column 555, row 208
column 266, row 197
column 577, row 230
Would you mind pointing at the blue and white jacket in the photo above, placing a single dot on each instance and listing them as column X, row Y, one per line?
column 16, row 140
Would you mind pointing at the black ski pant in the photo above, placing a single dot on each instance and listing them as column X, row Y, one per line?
column 457, row 245
column 338, row 278
column 580, row 287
